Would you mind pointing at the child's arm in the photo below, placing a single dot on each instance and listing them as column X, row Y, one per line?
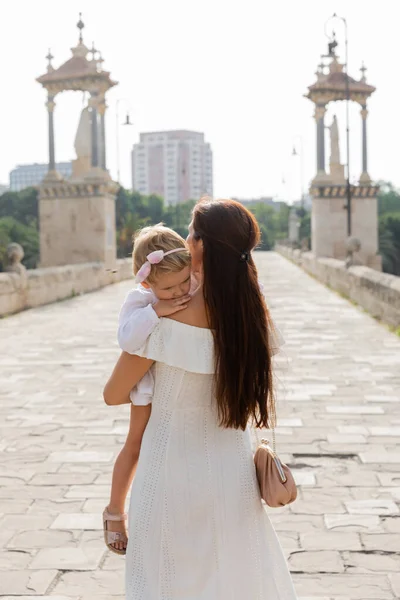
column 137, row 320
column 139, row 316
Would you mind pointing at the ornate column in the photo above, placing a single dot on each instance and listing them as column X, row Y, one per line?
column 364, row 114
column 319, row 116
column 50, row 108
column 102, row 145
column 93, row 103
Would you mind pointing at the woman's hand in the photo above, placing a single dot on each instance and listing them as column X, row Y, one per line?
column 128, row 371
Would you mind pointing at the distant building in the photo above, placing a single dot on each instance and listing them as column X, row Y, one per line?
column 306, row 202
column 3, row 189
column 269, row 201
column 176, row 165
column 25, row 176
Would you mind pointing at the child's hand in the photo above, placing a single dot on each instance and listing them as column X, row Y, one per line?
column 164, row 308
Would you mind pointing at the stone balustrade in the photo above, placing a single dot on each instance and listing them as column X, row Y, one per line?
column 378, row 293
column 21, row 289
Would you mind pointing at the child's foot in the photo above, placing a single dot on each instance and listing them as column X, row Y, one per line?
column 115, row 531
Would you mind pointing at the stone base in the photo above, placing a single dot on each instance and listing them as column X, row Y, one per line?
column 365, row 178
column 329, row 222
column 77, row 222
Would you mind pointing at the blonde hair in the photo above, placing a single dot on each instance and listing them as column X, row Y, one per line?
column 159, row 237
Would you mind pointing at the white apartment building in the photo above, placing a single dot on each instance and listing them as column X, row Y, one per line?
column 25, row 176
column 176, row 165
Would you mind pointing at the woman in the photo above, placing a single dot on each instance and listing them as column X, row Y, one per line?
column 197, row 528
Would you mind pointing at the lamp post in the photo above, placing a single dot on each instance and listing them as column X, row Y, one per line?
column 117, row 126
column 347, row 91
column 301, row 155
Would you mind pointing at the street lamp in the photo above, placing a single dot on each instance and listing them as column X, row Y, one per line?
column 118, row 124
column 332, row 45
column 301, row 155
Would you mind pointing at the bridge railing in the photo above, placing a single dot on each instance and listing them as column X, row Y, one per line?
column 378, row 293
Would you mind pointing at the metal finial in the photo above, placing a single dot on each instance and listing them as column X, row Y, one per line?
column 363, row 71
column 93, row 51
column 49, row 58
column 80, row 25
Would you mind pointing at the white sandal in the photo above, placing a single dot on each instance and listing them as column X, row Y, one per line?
column 113, row 537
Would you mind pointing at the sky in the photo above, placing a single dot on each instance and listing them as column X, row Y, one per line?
column 236, row 70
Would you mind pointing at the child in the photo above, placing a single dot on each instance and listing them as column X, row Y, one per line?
column 161, row 263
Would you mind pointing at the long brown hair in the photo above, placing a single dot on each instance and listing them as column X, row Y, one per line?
column 237, row 313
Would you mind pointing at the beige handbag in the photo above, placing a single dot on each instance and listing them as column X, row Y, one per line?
column 277, row 486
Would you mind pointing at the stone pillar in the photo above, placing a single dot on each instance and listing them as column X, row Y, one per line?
column 365, row 178
column 50, row 108
column 93, row 103
column 102, row 145
column 319, row 116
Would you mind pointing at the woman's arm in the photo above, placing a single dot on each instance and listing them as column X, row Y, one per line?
column 126, row 374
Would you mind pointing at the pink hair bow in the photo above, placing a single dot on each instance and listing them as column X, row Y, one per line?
column 153, row 259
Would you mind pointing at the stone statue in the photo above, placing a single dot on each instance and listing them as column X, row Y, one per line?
column 82, row 145
column 335, row 152
column 15, row 254
column 83, row 135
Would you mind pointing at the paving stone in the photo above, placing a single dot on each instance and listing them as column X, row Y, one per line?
column 372, row 507
column 352, row 586
column 316, row 562
column 13, row 560
column 395, row 583
column 303, row 477
column 92, row 584
column 41, row 539
column 323, row 540
column 355, row 410
column 359, row 562
column 78, row 521
column 383, row 457
column 391, row 525
column 353, row 522
column 22, row 582
column 93, row 491
column 71, row 559
column 25, row 522
column 385, row 542
column 78, row 457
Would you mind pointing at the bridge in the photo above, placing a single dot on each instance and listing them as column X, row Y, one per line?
column 339, row 424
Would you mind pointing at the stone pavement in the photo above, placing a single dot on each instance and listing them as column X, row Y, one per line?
column 339, row 410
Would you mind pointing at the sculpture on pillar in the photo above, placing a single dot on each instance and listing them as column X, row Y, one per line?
column 335, row 151
column 337, row 169
column 77, row 217
column 340, row 208
column 82, row 145
column 81, row 73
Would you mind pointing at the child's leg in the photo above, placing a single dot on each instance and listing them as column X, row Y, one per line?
column 125, row 467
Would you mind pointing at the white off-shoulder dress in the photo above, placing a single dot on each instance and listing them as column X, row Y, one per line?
column 197, row 527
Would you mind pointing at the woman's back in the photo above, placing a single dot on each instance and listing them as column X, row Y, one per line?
column 197, row 527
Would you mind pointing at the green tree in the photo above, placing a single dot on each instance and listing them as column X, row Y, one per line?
column 12, row 230
column 22, row 206
column 389, row 242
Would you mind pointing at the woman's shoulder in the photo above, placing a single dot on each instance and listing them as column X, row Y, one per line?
column 195, row 315
column 182, row 343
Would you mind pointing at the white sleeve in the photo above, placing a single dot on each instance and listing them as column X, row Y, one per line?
column 137, row 320
column 142, row 393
